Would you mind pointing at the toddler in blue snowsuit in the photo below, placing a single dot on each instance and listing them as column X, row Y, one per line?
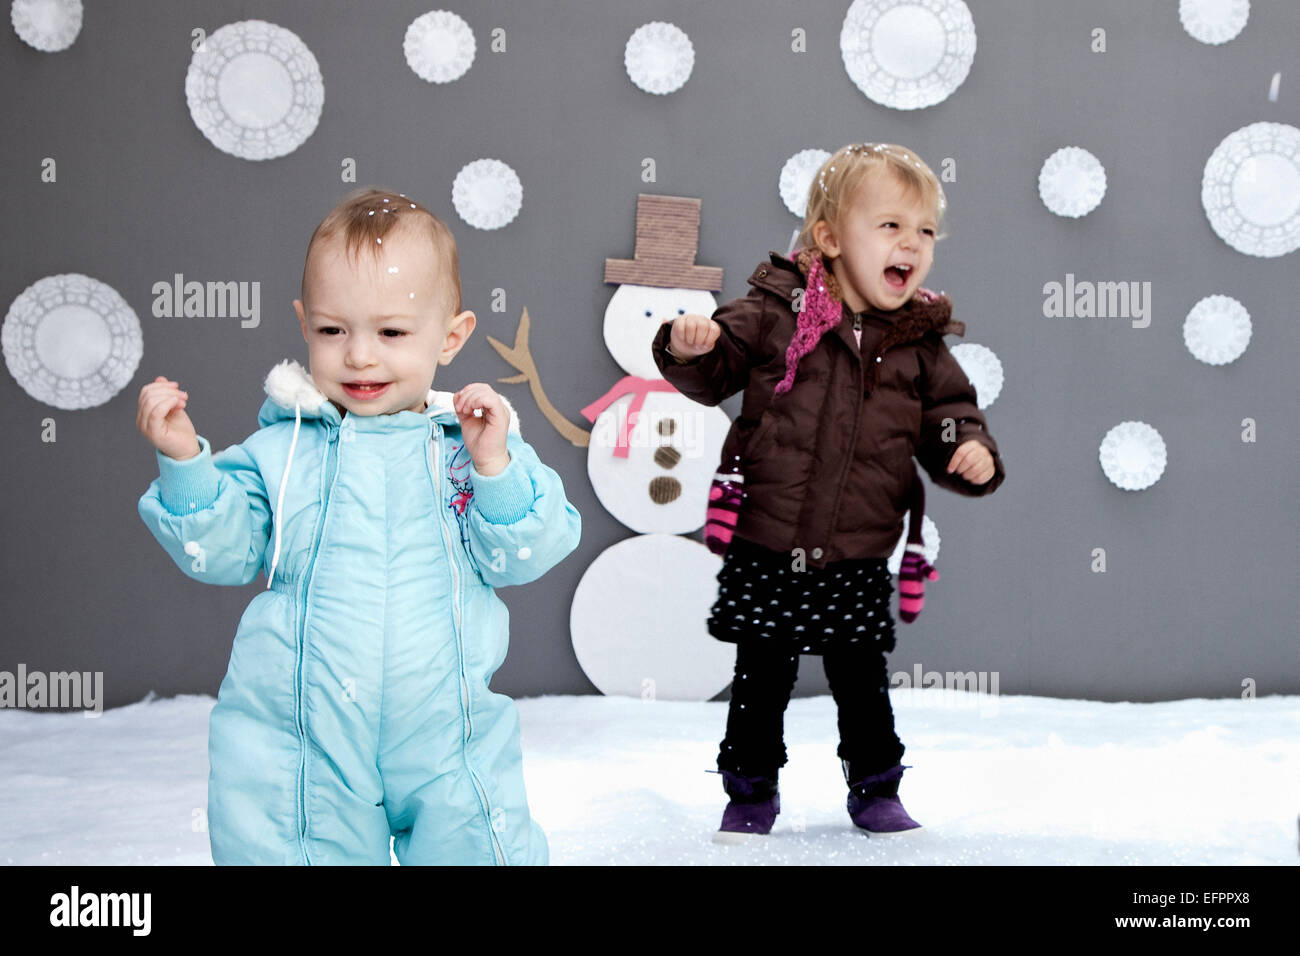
column 356, row 705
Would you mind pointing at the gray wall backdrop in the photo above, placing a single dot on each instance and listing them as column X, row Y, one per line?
column 1200, row 587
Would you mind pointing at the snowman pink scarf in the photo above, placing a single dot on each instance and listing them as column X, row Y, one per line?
column 639, row 389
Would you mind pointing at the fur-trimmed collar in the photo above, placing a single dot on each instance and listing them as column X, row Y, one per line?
column 783, row 276
column 290, row 386
column 926, row 312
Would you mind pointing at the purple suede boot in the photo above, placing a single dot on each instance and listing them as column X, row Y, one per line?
column 752, row 810
column 873, row 801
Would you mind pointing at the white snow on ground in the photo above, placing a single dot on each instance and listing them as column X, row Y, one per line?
column 1001, row 780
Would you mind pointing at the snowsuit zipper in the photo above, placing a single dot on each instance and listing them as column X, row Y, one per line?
column 333, row 454
column 436, row 466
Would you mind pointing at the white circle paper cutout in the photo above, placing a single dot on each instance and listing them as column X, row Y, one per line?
column 984, row 370
column 907, row 54
column 662, row 485
column 71, row 341
column 639, row 621
column 929, row 542
column 255, row 90
column 1217, row 330
column 1072, row 182
column 1133, row 455
column 797, row 176
column 1213, row 21
column 1251, row 189
column 659, row 57
column 439, row 46
column 47, row 25
column 487, row 194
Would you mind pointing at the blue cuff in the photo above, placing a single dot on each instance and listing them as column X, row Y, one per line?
column 190, row 485
column 505, row 497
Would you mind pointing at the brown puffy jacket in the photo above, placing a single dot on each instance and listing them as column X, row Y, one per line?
column 828, row 465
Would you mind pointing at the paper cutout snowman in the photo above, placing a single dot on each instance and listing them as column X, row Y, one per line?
column 653, row 451
column 638, row 615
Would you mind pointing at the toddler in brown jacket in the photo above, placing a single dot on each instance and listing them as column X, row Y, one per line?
column 840, row 353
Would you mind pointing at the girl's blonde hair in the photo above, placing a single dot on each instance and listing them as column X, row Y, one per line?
column 840, row 176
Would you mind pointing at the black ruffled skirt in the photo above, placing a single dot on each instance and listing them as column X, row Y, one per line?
column 761, row 597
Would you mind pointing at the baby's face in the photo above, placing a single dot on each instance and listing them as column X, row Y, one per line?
column 885, row 244
column 376, row 329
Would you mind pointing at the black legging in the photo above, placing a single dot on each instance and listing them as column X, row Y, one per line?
column 754, row 744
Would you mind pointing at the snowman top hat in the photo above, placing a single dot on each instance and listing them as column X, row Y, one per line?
column 667, row 239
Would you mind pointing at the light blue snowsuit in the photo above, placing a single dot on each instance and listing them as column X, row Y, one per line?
column 356, row 704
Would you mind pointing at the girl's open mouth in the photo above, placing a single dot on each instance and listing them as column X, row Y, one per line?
column 897, row 276
column 365, row 390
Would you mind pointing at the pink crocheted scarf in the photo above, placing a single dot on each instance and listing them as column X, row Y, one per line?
column 821, row 312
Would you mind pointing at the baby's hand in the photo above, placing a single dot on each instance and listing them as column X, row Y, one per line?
column 973, row 462
column 485, row 435
column 693, row 335
column 161, row 418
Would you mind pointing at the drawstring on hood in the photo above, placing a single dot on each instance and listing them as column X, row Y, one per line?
column 289, row 384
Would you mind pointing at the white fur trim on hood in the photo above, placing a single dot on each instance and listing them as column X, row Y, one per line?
column 289, row 384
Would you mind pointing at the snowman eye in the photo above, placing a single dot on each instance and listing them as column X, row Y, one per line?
column 648, row 313
column 681, row 311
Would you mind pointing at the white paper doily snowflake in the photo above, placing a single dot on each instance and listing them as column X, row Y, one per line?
column 255, row 90
column 659, row 57
column 1072, row 182
column 929, row 542
column 487, row 194
column 71, row 341
column 1251, row 189
column 1217, row 330
column 1133, row 455
column 439, row 46
column 797, row 176
column 1213, row 21
column 907, row 54
column 47, row 25
column 983, row 368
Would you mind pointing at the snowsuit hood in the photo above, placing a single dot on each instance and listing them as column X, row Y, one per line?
column 290, row 387
column 290, row 390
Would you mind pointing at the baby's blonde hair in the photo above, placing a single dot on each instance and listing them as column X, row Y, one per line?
column 840, row 176
column 371, row 213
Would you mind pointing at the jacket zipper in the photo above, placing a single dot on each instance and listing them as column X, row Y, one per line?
column 436, row 442
column 858, row 375
column 332, row 449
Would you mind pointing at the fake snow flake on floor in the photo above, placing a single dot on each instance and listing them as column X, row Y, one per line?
column 615, row 780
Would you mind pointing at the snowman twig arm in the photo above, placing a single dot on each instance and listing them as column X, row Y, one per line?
column 521, row 357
